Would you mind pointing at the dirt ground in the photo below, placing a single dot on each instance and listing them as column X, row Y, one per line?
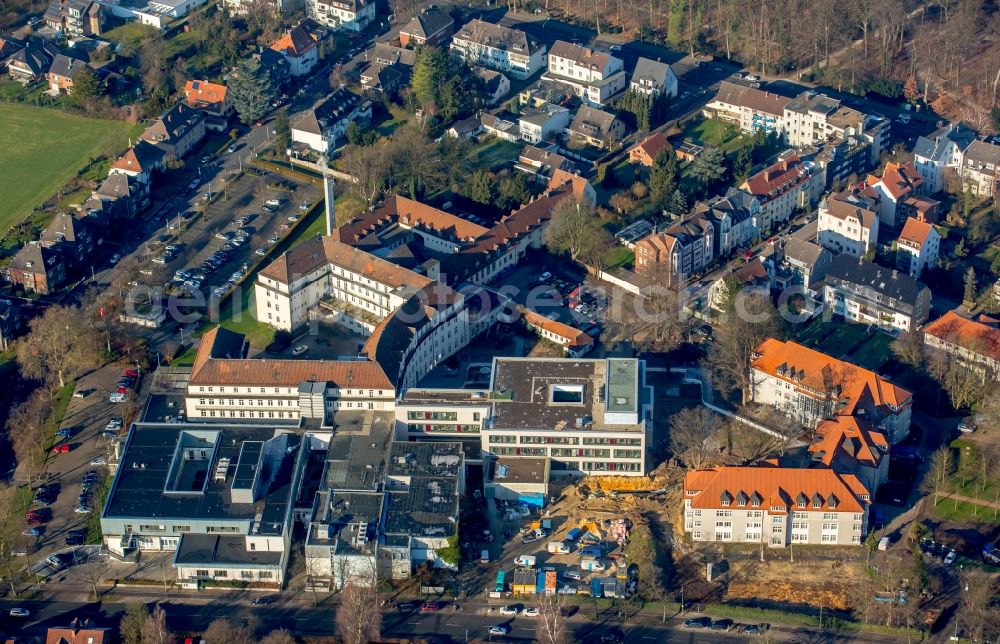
column 820, row 582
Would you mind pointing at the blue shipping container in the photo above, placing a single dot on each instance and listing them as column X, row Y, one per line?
column 595, row 587
column 574, row 534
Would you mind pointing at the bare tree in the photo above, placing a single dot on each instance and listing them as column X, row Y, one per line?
column 57, row 344
column 132, row 624
column 368, row 166
column 975, row 614
column 751, row 320
column 26, row 430
column 909, row 347
column 551, row 627
column 359, row 616
column 95, row 570
column 654, row 319
column 280, row 636
column 7, row 532
column 222, row 631
column 936, row 479
column 154, row 629
column 574, row 229
column 692, row 435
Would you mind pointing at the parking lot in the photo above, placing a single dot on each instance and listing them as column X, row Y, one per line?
column 88, row 444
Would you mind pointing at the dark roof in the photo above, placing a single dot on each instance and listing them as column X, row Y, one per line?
column 36, row 56
column 35, row 258
column 174, row 124
column 215, row 551
column 888, row 282
column 932, row 145
column 63, row 65
column 981, row 152
column 387, row 54
column 64, row 228
column 652, row 70
column 755, row 99
column 428, row 22
column 326, row 113
column 9, row 46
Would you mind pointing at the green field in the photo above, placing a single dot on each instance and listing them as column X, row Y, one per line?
column 43, row 150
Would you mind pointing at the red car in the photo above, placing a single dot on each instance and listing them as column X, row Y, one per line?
column 34, row 521
column 430, row 607
column 62, row 448
column 131, row 373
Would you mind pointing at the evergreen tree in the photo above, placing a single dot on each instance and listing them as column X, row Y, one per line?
column 677, row 204
column 513, row 190
column 663, row 177
column 86, row 85
column 440, row 82
column 282, row 131
column 743, row 163
column 251, row 90
column 970, row 286
column 709, row 167
column 481, row 188
column 429, row 71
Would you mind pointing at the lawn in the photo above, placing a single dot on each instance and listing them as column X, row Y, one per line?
column 713, row 132
column 131, row 33
column 45, row 148
column 967, row 481
column 495, row 152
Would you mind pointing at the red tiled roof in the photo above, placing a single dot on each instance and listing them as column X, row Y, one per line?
column 787, row 173
column 776, row 486
column 969, row 334
column 915, row 232
column 900, row 180
column 652, row 145
column 296, row 42
column 819, row 374
column 574, row 337
column 199, row 92
column 578, row 184
column 856, row 438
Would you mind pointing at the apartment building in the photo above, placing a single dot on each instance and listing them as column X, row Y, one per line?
column 299, row 49
column 500, row 48
column 679, row 251
column 812, row 118
column 456, row 414
column 917, row 247
column 586, row 416
column 899, row 189
column 545, row 123
column 864, row 292
column 595, row 76
column 781, row 188
column 177, row 131
column 323, row 127
column 793, row 262
column 226, row 386
column 220, row 497
column 749, row 107
column 848, row 222
column 981, row 169
column 851, row 445
column 431, row 27
column 352, row 15
column 940, row 151
column 212, row 99
column 810, row 387
column 775, row 506
column 973, row 343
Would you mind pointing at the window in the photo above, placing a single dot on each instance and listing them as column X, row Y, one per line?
column 220, row 574
column 201, row 573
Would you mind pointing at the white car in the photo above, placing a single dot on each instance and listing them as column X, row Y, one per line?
column 116, row 258
column 19, row 612
column 81, row 393
column 299, row 350
column 530, row 611
column 950, row 559
column 99, row 461
column 82, row 509
column 498, row 630
column 510, row 610
column 116, row 397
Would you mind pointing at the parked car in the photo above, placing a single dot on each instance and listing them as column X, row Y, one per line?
column 430, row 607
column 19, row 612
column 74, row 540
column 31, row 531
column 262, row 601
column 510, row 610
column 499, row 629
column 81, row 393
column 530, row 611
column 62, row 448
column 951, row 557
column 721, row 624
column 698, row 622
column 299, row 350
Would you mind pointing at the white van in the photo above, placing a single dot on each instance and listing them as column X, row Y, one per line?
column 884, row 543
column 558, row 547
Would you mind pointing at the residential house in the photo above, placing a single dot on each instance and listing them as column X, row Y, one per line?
column 748, row 107
column 545, row 91
column 574, row 342
column 241, row 7
column 541, row 162
column 673, row 255
column 839, row 162
column 899, row 191
column 781, row 189
column 940, row 151
column 864, row 292
column 384, row 53
column 466, row 129
column 162, row 11
column 320, row 127
column 71, row 238
column 30, row 64
column 8, row 47
column 501, row 48
column 299, row 49
column 810, row 387
column 386, row 79
column 981, row 169
column 973, row 343
column 595, row 76
column 62, row 71
column 776, row 506
column 751, row 276
column 653, row 77
column 646, row 150
column 596, row 128
column 917, row 247
column 37, row 268
column 734, row 217
column 177, row 131
column 213, row 100
column 581, row 189
column 544, row 123
column 75, row 17
column 276, row 66
column 848, row 222
column 851, row 445
column 140, row 160
column 795, row 262
column 79, row 631
column 496, row 86
column 352, row 15
column 10, row 322
column 500, row 126
column 431, row 27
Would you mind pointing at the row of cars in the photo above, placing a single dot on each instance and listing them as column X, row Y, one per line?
column 127, row 382
column 725, row 625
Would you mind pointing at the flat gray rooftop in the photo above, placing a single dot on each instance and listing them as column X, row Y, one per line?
column 451, row 397
column 622, row 385
column 212, row 550
column 357, row 451
column 439, row 460
column 520, row 470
